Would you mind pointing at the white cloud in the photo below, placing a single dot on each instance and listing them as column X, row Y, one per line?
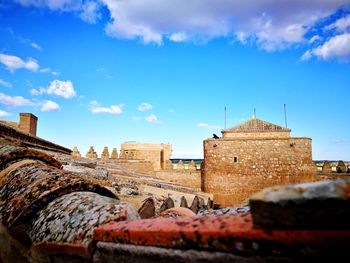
column 14, row 101
column 152, row 119
column 209, row 127
column 49, row 105
column 113, row 109
column 337, row 47
column 62, row 5
column 36, row 92
column 178, row 37
column 45, row 70
column 90, row 12
column 55, row 73
column 171, row 111
column 315, row 38
column 4, row 114
column 13, row 63
column 87, row 10
column 63, row 89
column 135, row 118
column 144, row 106
column 306, row 56
column 36, row 46
column 341, row 25
column 5, row 83
column 59, row 88
column 270, row 24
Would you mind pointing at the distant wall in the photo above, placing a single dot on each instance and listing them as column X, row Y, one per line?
column 190, row 178
column 157, row 154
column 234, row 169
column 140, row 166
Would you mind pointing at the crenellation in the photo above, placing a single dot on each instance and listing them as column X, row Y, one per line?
column 75, row 153
column 114, row 154
column 91, row 154
column 105, row 154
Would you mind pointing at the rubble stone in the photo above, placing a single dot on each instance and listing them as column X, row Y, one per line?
column 319, row 205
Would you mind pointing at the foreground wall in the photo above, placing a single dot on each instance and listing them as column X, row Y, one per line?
column 259, row 163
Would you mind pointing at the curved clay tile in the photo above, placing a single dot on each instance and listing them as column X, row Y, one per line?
column 27, row 189
column 148, row 209
column 67, row 224
column 177, row 212
column 10, row 154
column 168, row 203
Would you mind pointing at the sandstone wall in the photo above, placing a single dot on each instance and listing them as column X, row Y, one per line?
column 259, row 163
column 189, row 178
column 140, row 166
column 157, row 154
column 28, row 123
column 260, row 134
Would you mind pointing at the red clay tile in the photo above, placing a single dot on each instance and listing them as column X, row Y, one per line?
column 232, row 233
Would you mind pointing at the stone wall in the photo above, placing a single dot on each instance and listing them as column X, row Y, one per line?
column 157, row 154
column 28, row 123
column 234, row 169
column 189, row 178
column 140, row 166
column 260, row 134
column 9, row 135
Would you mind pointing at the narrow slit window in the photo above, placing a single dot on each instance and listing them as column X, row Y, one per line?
column 235, row 159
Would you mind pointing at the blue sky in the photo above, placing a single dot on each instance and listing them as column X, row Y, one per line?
column 104, row 72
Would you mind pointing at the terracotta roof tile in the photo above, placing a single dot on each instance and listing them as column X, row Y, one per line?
column 256, row 125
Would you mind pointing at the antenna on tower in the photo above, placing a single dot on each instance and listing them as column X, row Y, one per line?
column 285, row 114
column 225, row 117
column 254, row 116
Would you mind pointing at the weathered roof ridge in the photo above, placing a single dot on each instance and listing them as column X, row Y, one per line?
column 257, row 125
column 29, row 140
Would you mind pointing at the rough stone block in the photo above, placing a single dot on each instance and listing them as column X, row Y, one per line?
column 319, row 205
column 124, row 253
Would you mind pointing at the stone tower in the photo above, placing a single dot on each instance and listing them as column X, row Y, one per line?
column 252, row 156
column 28, row 123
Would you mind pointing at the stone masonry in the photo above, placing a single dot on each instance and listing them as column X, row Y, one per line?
column 28, row 123
column 105, row 154
column 158, row 154
column 114, row 154
column 252, row 156
column 91, row 154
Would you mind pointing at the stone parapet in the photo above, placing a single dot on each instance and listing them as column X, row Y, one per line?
column 22, row 139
